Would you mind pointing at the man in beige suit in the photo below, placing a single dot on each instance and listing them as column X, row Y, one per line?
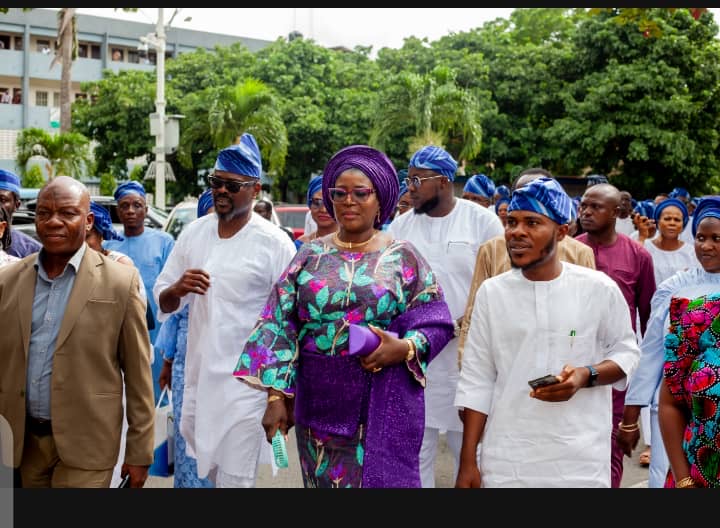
column 73, row 326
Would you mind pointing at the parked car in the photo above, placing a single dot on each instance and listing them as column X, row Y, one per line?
column 24, row 220
column 185, row 212
column 155, row 218
column 27, row 194
column 292, row 216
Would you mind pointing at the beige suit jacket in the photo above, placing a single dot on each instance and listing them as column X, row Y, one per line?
column 103, row 335
column 493, row 259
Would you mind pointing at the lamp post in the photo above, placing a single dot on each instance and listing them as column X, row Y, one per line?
column 157, row 127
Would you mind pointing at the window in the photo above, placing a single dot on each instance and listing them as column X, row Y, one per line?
column 83, row 50
column 4, row 42
column 41, row 98
column 80, row 95
column 133, row 56
column 56, row 98
column 18, row 43
column 43, row 46
column 94, row 51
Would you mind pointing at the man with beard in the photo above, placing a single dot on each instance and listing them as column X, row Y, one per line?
column 447, row 231
column 224, row 266
column 630, row 266
column 532, row 322
column 493, row 259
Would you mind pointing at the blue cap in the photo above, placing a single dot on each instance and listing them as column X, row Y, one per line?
column 129, row 187
column 9, row 182
column 243, row 158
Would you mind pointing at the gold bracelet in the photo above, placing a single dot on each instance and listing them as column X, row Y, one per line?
column 687, row 482
column 275, row 397
column 629, row 428
column 411, row 349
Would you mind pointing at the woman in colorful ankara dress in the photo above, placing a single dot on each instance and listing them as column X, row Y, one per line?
column 358, row 420
column 689, row 417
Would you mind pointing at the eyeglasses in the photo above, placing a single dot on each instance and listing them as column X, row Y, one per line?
column 232, row 186
column 360, row 194
column 316, row 203
column 417, row 182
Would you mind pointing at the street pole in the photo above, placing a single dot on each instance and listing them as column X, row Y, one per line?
column 160, row 110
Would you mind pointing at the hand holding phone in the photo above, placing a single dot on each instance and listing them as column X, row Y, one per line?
column 544, row 381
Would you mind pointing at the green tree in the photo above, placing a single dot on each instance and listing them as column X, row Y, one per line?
column 33, row 178
column 68, row 153
column 107, row 184
column 428, row 109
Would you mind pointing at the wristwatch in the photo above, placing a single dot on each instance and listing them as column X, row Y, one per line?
column 592, row 379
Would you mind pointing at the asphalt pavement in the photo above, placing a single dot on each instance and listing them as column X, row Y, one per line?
column 634, row 475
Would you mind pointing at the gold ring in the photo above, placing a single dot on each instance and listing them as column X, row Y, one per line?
column 376, row 369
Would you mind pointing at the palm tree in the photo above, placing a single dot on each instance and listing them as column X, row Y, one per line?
column 67, row 153
column 65, row 54
column 223, row 114
column 433, row 107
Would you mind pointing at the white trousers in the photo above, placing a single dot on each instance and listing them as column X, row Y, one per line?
column 659, row 463
column 428, row 454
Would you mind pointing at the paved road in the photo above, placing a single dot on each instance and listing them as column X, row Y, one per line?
column 634, row 475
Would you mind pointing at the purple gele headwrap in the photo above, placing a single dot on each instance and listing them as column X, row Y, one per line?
column 243, row 158
column 436, row 159
column 314, row 186
column 480, row 184
column 373, row 164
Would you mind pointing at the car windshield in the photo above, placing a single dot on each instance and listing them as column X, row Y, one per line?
column 181, row 218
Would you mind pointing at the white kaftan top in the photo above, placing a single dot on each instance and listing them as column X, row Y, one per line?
column 667, row 263
column 450, row 245
column 521, row 332
column 624, row 226
column 221, row 418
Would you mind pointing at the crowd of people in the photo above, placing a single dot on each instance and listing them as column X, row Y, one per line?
column 544, row 335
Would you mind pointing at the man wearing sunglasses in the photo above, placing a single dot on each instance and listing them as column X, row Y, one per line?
column 224, row 266
column 447, row 231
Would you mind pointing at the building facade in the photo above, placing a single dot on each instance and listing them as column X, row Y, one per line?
column 30, row 89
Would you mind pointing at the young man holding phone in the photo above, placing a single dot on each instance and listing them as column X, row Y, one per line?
column 533, row 322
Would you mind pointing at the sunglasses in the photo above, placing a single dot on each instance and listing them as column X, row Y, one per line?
column 316, row 203
column 231, row 185
column 360, row 194
column 417, row 182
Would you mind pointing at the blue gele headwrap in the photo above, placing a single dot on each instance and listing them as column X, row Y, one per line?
column 403, row 188
column 544, row 196
column 480, row 184
column 243, row 158
column 709, row 207
column 504, row 191
column 9, row 181
column 314, row 186
column 402, row 174
column 129, row 187
column 667, row 203
column 103, row 223
column 436, row 159
column 499, row 202
column 679, row 192
column 646, row 208
column 205, row 202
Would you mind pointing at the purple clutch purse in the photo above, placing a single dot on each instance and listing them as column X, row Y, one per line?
column 362, row 341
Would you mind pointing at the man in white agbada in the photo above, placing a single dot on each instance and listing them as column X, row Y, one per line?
column 532, row 321
column 447, row 231
column 224, row 265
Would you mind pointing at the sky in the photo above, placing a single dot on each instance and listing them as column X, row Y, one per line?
column 349, row 27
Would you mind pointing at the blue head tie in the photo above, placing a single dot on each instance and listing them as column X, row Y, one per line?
column 709, row 207
column 103, row 223
column 499, row 202
column 129, row 187
column 205, row 202
column 679, row 192
column 243, row 158
column 480, row 184
column 9, row 181
column 314, row 186
column 646, row 208
column 503, row 190
column 667, row 203
column 436, row 159
column 544, row 196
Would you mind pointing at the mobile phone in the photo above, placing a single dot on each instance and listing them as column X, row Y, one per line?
column 544, row 381
column 125, row 483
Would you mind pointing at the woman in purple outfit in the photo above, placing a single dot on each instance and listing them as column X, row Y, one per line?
column 358, row 420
